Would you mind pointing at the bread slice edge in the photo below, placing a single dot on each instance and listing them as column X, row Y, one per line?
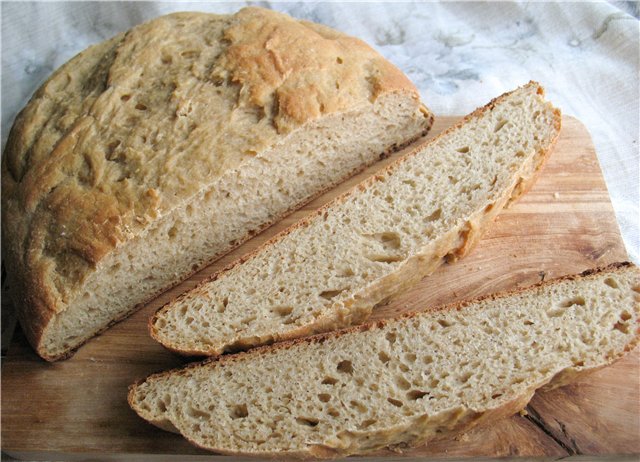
column 463, row 418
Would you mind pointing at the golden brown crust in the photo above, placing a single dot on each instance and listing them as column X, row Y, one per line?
column 105, row 147
column 456, row 245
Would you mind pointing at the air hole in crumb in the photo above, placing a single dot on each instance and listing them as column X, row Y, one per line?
column 324, row 397
column 496, row 395
column 528, row 323
column 384, row 357
column 464, row 378
column 329, row 381
column 125, row 97
column 333, row 412
column 463, row 150
column 444, row 323
column 111, row 147
column 573, row 301
column 435, row 215
column 391, row 337
column 416, row 394
column 346, row 272
column 197, row 413
column 388, row 239
column 239, row 411
column 223, row 306
column 611, row 283
column 403, row 367
column 395, row 402
column 358, row 406
column 339, row 60
column 578, row 363
column 434, row 383
column 410, row 357
column 189, row 54
column 622, row 327
column 625, row 316
column 283, row 311
column 520, row 154
column 307, row 421
column 162, row 406
column 141, row 107
column 329, row 294
column 183, row 310
column 453, row 180
column 410, row 183
column 499, row 125
column 385, row 258
column 173, row 232
column 427, row 359
column 403, row 383
column 345, row 367
column 367, row 423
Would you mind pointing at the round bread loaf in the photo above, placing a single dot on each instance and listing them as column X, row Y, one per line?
column 151, row 154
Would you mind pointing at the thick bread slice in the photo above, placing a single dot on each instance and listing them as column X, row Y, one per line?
column 400, row 381
column 151, row 154
column 329, row 270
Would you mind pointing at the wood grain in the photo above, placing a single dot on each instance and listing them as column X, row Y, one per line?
column 77, row 409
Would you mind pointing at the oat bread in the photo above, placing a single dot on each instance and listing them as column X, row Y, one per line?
column 401, row 381
column 151, row 154
column 329, row 270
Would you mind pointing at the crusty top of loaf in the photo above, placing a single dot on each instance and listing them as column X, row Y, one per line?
column 135, row 126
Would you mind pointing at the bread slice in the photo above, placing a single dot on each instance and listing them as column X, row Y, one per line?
column 151, row 154
column 400, row 381
column 329, row 270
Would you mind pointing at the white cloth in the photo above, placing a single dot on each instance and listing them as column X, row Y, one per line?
column 459, row 55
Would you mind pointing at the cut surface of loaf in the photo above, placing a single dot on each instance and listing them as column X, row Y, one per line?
column 331, row 269
column 400, row 381
column 149, row 155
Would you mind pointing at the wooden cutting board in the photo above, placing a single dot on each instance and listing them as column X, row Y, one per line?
column 76, row 409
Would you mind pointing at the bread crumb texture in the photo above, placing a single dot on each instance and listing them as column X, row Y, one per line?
column 147, row 155
column 403, row 381
column 331, row 269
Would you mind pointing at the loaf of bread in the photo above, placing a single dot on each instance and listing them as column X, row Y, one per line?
column 401, row 381
column 331, row 269
column 149, row 155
